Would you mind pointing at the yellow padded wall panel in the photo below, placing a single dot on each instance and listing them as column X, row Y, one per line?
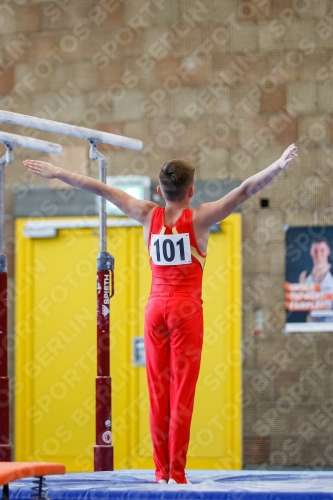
column 56, row 361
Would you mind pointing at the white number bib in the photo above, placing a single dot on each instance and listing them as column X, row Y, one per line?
column 170, row 249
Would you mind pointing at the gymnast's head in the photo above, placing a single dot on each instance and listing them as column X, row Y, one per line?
column 176, row 180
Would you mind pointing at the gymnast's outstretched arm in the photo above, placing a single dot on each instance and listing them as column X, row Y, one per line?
column 139, row 210
column 211, row 213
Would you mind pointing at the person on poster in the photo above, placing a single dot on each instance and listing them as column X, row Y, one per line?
column 321, row 274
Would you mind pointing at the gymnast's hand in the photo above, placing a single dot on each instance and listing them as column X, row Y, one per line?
column 41, row 168
column 287, row 156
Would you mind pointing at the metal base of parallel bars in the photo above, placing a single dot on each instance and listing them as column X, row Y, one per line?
column 103, row 458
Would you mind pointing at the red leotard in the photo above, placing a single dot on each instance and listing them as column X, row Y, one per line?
column 186, row 278
column 173, row 342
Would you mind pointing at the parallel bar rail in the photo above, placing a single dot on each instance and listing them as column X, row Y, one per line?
column 12, row 140
column 94, row 136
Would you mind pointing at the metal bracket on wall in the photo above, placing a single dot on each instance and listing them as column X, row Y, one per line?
column 139, row 354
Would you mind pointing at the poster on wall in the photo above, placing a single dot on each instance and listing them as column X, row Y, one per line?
column 309, row 279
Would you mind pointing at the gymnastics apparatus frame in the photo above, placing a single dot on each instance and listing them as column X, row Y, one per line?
column 103, row 449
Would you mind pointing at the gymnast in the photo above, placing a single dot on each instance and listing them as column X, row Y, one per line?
column 177, row 238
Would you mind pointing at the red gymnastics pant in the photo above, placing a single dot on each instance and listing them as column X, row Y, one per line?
column 173, row 343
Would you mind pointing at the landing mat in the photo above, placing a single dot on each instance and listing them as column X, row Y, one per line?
column 206, row 485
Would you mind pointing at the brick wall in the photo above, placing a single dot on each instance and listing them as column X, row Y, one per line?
column 227, row 85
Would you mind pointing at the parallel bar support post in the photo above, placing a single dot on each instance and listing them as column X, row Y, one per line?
column 5, row 447
column 9, row 140
column 102, row 165
column 103, row 450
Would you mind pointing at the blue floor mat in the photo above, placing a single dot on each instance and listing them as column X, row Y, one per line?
column 206, row 485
